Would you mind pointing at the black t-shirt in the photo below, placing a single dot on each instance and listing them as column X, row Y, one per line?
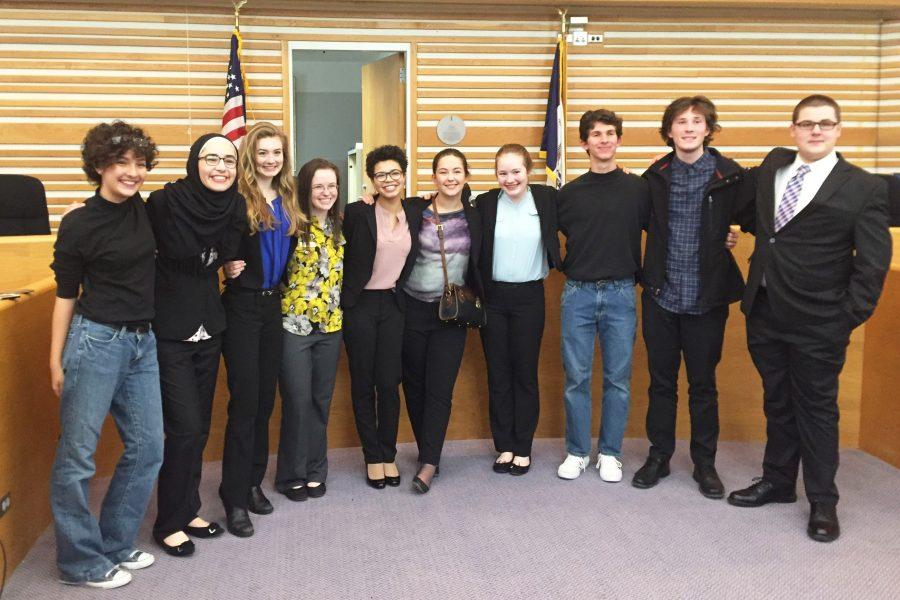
column 602, row 215
column 107, row 250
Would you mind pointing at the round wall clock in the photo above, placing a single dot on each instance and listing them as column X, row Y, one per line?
column 451, row 130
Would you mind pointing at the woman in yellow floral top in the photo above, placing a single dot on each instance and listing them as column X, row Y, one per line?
column 312, row 320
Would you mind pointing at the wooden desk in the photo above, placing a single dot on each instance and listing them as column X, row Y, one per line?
column 24, row 259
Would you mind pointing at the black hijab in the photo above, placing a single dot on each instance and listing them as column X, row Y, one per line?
column 200, row 217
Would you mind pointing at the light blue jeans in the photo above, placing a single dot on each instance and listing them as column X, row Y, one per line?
column 605, row 309
column 107, row 370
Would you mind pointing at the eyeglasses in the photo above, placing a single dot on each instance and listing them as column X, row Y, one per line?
column 214, row 159
column 319, row 187
column 825, row 125
column 382, row 176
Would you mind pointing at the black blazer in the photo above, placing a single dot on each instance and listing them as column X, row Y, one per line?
column 544, row 202
column 829, row 261
column 473, row 275
column 361, row 234
column 725, row 201
column 249, row 251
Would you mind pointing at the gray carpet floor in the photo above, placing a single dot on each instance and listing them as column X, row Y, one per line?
column 482, row 535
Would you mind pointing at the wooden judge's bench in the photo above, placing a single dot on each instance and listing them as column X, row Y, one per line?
column 29, row 415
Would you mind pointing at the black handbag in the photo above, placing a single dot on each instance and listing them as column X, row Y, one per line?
column 459, row 304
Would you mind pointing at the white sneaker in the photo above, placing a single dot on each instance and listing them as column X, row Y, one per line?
column 610, row 468
column 113, row 579
column 572, row 467
column 137, row 560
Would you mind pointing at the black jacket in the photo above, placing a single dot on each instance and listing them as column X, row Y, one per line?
column 249, row 251
column 361, row 234
column 473, row 275
column 544, row 202
column 726, row 201
column 829, row 261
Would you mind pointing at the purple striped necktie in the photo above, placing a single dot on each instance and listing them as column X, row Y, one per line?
column 789, row 200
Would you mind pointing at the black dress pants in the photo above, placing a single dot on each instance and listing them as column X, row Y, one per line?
column 512, row 345
column 799, row 366
column 373, row 336
column 252, row 349
column 698, row 339
column 432, row 354
column 187, row 377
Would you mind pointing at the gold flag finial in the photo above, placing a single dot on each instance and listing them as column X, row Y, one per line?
column 562, row 19
column 237, row 11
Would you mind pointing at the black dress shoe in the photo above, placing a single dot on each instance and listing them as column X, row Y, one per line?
column 392, row 481
column 297, row 494
column 210, row 531
column 238, row 521
column 420, row 486
column 181, row 550
column 258, row 503
column 378, row 484
column 709, row 483
column 760, row 493
column 823, row 522
column 316, row 491
column 649, row 475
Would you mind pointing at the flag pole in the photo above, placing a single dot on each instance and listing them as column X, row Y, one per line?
column 238, row 5
column 563, row 13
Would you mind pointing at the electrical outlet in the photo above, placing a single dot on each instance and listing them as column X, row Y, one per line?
column 595, row 38
column 4, row 504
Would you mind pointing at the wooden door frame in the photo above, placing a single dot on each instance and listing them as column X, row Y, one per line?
column 404, row 47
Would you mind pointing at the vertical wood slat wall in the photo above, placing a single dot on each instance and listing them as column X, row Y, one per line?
column 62, row 71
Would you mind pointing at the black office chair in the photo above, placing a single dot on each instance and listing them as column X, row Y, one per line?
column 893, row 199
column 23, row 206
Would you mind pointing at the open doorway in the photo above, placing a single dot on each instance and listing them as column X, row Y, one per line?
column 346, row 100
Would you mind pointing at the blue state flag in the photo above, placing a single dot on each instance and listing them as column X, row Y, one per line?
column 553, row 142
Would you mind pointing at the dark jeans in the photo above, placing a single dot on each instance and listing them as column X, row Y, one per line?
column 251, row 346
column 698, row 338
column 512, row 346
column 373, row 336
column 187, row 376
column 432, row 353
column 800, row 366
column 308, row 369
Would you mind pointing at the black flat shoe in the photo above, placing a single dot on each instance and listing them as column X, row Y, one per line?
column 823, row 523
column 316, row 491
column 502, row 467
column 654, row 469
column 760, row 493
column 258, row 503
column 515, row 469
column 210, row 531
column 708, row 481
column 238, row 521
column 420, row 486
column 181, row 550
column 297, row 494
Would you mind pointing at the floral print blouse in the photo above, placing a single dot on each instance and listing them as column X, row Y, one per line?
column 311, row 299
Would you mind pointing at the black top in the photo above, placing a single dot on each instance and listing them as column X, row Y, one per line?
column 545, row 203
column 361, row 233
column 187, row 289
column 602, row 215
column 107, row 249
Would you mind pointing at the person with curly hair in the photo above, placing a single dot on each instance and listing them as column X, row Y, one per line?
column 312, row 320
column 252, row 298
column 103, row 361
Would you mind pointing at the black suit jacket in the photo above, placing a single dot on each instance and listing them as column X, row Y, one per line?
column 544, row 202
column 250, row 252
column 829, row 261
column 361, row 235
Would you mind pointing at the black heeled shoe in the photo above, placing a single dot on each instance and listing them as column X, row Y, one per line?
column 210, row 531
column 392, row 481
column 378, row 484
column 181, row 550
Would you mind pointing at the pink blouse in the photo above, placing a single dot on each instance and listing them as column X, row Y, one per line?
column 393, row 246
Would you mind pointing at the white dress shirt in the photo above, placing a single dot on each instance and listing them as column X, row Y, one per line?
column 818, row 172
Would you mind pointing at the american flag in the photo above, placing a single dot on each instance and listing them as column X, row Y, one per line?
column 234, row 121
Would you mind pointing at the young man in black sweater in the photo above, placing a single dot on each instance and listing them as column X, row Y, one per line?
column 601, row 213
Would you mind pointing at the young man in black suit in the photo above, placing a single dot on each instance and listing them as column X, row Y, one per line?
column 822, row 251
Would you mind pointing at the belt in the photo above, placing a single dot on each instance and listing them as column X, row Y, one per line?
column 143, row 327
column 240, row 290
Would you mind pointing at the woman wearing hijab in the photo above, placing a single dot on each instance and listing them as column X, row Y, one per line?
column 197, row 222
column 252, row 342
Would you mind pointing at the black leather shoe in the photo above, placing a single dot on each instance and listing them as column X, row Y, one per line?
column 649, row 475
column 420, row 486
column 258, row 503
column 378, row 484
column 392, row 481
column 760, row 493
column 823, row 522
column 520, row 470
column 297, row 494
column 181, row 550
column 238, row 521
column 709, row 483
column 210, row 531
column 317, row 491
column 502, row 467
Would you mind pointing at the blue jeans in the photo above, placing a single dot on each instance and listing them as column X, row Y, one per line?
column 107, row 370
column 605, row 309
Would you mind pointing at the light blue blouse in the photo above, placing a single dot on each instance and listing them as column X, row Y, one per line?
column 519, row 253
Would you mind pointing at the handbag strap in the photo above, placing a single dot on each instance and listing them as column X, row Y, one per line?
column 440, row 232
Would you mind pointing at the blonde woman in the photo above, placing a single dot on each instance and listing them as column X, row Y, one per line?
column 252, row 299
